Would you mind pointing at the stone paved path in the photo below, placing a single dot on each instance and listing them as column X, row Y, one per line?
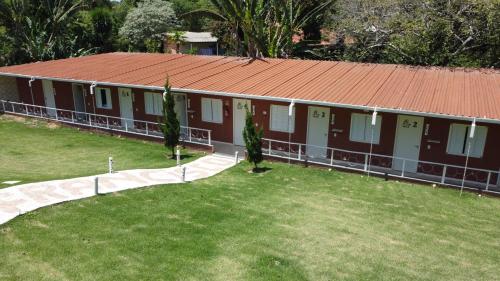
column 17, row 200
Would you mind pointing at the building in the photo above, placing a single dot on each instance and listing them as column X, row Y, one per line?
column 201, row 43
column 439, row 125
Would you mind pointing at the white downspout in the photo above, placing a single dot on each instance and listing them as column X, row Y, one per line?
column 374, row 122
column 290, row 114
column 92, row 93
column 30, row 83
column 471, row 136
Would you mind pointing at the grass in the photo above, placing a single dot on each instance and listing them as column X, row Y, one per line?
column 288, row 223
column 34, row 150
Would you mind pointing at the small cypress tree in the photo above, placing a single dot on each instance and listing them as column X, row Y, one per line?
column 169, row 124
column 253, row 140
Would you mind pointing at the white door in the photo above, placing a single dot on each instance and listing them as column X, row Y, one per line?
column 180, row 109
column 79, row 101
column 317, row 131
column 239, row 114
column 407, row 143
column 126, row 107
column 48, row 93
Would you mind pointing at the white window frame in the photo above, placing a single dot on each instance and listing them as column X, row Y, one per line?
column 98, row 98
column 156, row 106
column 283, row 110
column 211, row 110
column 367, row 124
column 480, row 135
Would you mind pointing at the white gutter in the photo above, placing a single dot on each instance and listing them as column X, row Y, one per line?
column 285, row 100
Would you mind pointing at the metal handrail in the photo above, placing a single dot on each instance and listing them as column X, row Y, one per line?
column 298, row 155
column 379, row 155
column 192, row 135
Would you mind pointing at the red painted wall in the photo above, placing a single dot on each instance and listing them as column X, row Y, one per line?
column 24, row 91
column 338, row 132
column 436, row 152
column 63, row 95
column 220, row 132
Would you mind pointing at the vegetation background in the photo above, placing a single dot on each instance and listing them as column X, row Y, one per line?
column 430, row 32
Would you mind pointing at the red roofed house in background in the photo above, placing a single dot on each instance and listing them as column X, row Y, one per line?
column 439, row 125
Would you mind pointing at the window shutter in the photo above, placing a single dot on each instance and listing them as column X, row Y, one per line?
column 97, row 94
column 358, row 124
column 292, row 120
column 108, row 98
column 376, row 131
column 159, row 104
column 478, row 142
column 279, row 119
column 456, row 139
column 148, row 103
column 217, row 111
column 276, row 122
column 206, row 110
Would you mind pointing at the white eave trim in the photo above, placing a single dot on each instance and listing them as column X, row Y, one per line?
column 285, row 100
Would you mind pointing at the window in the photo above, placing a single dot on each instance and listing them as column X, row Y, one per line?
column 103, row 98
column 458, row 140
column 153, row 103
column 279, row 119
column 361, row 128
column 211, row 110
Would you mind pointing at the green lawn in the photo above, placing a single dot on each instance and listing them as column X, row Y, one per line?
column 290, row 223
column 32, row 150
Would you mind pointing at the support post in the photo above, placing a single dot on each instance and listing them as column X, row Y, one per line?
column 366, row 162
column 178, row 156
column 331, row 157
column 96, row 185
column 443, row 177
column 147, row 130
column 209, row 137
column 488, row 181
column 110, row 164
column 236, row 157
column 403, row 168
column 183, row 174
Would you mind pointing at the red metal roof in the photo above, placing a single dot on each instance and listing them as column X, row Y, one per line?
column 436, row 90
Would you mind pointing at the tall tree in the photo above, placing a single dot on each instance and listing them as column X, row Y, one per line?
column 148, row 23
column 170, row 124
column 253, row 140
column 430, row 32
column 39, row 28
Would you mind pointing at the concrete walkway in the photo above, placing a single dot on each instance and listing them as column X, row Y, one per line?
column 17, row 200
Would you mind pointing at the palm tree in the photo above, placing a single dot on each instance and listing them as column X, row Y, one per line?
column 178, row 38
column 39, row 29
column 263, row 28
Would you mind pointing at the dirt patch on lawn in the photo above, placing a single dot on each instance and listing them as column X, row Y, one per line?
column 51, row 125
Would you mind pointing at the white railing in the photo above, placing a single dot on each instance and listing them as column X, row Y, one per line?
column 425, row 171
column 104, row 122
